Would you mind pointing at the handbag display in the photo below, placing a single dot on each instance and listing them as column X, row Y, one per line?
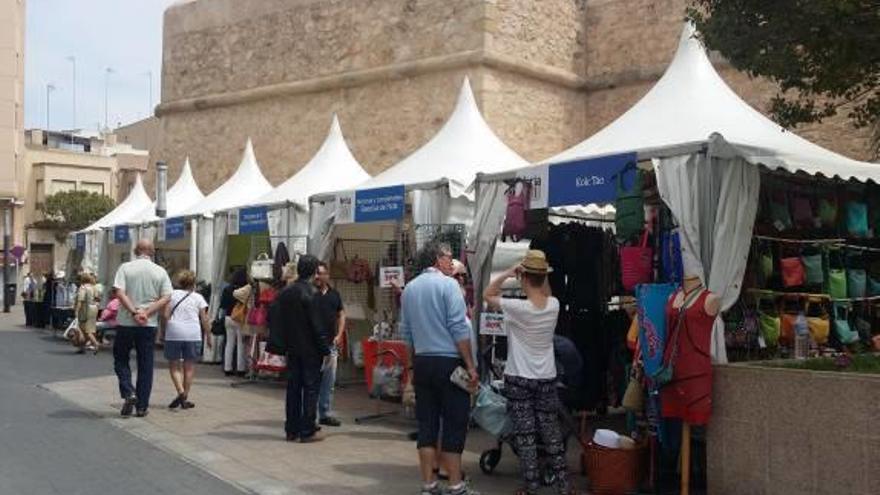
column 786, row 328
column 828, row 212
column 819, row 323
column 802, row 211
column 770, row 326
column 630, row 205
column 636, row 264
column 793, row 273
column 339, row 265
column 873, row 286
column 519, row 197
column 842, row 329
column 261, row 268
column 814, row 268
column 856, row 283
column 779, row 215
column 857, row 219
column 837, row 283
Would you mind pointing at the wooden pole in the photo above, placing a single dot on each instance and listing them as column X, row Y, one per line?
column 685, row 459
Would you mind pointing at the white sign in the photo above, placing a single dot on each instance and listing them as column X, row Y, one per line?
column 232, row 222
column 161, row 232
column 539, row 177
column 492, row 324
column 391, row 276
column 344, row 208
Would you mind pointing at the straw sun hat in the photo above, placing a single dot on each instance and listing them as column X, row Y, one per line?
column 536, row 262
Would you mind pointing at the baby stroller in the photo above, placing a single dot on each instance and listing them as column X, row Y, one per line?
column 490, row 411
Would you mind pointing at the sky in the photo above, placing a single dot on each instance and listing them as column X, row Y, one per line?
column 124, row 35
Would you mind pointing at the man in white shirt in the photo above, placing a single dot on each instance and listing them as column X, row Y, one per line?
column 143, row 289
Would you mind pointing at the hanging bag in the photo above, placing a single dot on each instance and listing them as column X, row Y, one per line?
column 828, row 212
column 779, row 214
column 857, row 219
column 770, row 325
column 818, row 323
column 670, row 256
column 636, row 264
column 856, row 283
column 261, row 268
column 629, row 205
column 873, row 286
column 515, row 220
column 836, row 275
column 339, row 265
column 814, row 269
column 842, row 329
column 793, row 273
column 766, row 264
column 802, row 211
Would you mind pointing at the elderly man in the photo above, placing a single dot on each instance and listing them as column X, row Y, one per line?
column 435, row 326
column 143, row 289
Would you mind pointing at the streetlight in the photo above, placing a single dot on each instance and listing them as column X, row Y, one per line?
column 72, row 60
column 107, row 97
column 49, row 89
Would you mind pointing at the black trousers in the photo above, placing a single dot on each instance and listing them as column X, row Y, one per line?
column 440, row 402
column 303, row 386
column 29, row 307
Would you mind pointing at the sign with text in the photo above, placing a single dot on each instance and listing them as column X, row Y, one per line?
column 232, row 222
column 253, row 220
column 175, row 228
column 592, row 181
column 391, row 276
column 344, row 208
column 537, row 177
column 492, row 324
column 80, row 242
column 381, row 204
column 121, row 234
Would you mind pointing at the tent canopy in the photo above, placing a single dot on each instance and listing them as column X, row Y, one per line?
column 184, row 194
column 136, row 201
column 691, row 102
column 245, row 186
column 464, row 146
column 332, row 168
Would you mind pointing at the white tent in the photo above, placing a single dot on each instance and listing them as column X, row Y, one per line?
column 182, row 196
column 690, row 103
column 136, row 201
column 463, row 147
column 332, row 168
column 245, row 186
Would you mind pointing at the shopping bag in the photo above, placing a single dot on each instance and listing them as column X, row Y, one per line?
column 636, row 264
column 261, row 268
column 270, row 362
column 490, row 411
column 793, row 273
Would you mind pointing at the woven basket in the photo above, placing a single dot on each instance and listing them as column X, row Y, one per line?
column 614, row 471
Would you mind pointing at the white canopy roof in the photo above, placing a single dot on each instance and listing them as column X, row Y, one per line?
column 690, row 102
column 134, row 203
column 183, row 195
column 245, row 186
column 464, row 146
column 331, row 169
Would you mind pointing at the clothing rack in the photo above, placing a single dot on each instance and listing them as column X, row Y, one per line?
column 580, row 218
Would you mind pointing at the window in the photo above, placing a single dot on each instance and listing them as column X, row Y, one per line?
column 62, row 185
column 96, row 187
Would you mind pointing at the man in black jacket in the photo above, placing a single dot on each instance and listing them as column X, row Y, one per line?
column 300, row 330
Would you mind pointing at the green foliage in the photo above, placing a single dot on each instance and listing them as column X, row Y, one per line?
column 68, row 211
column 823, row 54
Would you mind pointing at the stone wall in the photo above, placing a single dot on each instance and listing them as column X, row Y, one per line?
column 546, row 75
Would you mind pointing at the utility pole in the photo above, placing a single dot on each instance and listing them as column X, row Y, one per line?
column 107, row 97
column 72, row 60
column 49, row 88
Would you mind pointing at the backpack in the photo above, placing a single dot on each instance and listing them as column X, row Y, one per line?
column 630, row 205
column 515, row 221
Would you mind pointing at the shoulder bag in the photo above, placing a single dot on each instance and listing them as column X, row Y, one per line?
column 666, row 372
column 818, row 323
column 842, row 329
column 184, row 298
column 261, row 268
column 857, row 219
column 636, row 264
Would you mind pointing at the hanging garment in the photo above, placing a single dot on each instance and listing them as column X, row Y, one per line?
column 652, row 300
column 282, row 258
column 689, row 395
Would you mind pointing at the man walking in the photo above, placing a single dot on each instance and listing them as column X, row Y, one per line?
column 306, row 345
column 143, row 289
column 434, row 324
column 332, row 314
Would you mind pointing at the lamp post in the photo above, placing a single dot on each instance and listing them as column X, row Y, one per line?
column 49, row 89
column 72, row 60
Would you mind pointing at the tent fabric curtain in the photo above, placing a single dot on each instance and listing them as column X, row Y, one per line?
column 320, row 226
column 714, row 198
column 430, row 206
column 488, row 219
column 207, row 251
column 218, row 232
column 278, row 224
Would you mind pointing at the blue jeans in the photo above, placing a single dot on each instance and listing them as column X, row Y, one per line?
column 328, row 382
column 142, row 340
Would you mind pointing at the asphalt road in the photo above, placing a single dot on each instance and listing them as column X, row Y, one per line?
column 49, row 446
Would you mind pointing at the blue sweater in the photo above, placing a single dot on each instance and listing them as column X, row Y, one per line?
column 433, row 315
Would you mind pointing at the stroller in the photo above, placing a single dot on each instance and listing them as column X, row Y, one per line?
column 490, row 411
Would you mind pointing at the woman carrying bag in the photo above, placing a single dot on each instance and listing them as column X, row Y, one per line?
column 187, row 326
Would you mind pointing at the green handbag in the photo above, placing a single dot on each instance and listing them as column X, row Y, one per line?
column 837, row 283
column 814, row 266
column 770, row 328
column 856, row 283
column 873, row 286
column 767, row 264
column 828, row 212
column 842, row 329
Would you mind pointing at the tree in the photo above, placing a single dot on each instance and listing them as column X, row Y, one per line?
column 68, row 211
column 823, row 54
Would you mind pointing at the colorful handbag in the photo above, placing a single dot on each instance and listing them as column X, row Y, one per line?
column 793, row 274
column 845, row 334
column 770, row 326
column 857, row 219
column 819, row 324
column 786, row 328
column 828, row 212
column 814, row 268
column 856, row 283
column 268, row 361
column 636, row 264
column 802, row 211
column 837, row 283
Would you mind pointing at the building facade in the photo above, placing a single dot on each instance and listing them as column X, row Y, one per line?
column 546, row 75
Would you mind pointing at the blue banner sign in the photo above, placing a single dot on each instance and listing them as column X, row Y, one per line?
column 253, row 220
column 592, row 181
column 381, row 204
column 80, row 242
column 121, row 234
column 175, row 228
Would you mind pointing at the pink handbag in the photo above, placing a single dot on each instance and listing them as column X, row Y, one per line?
column 636, row 264
column 515, row 223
